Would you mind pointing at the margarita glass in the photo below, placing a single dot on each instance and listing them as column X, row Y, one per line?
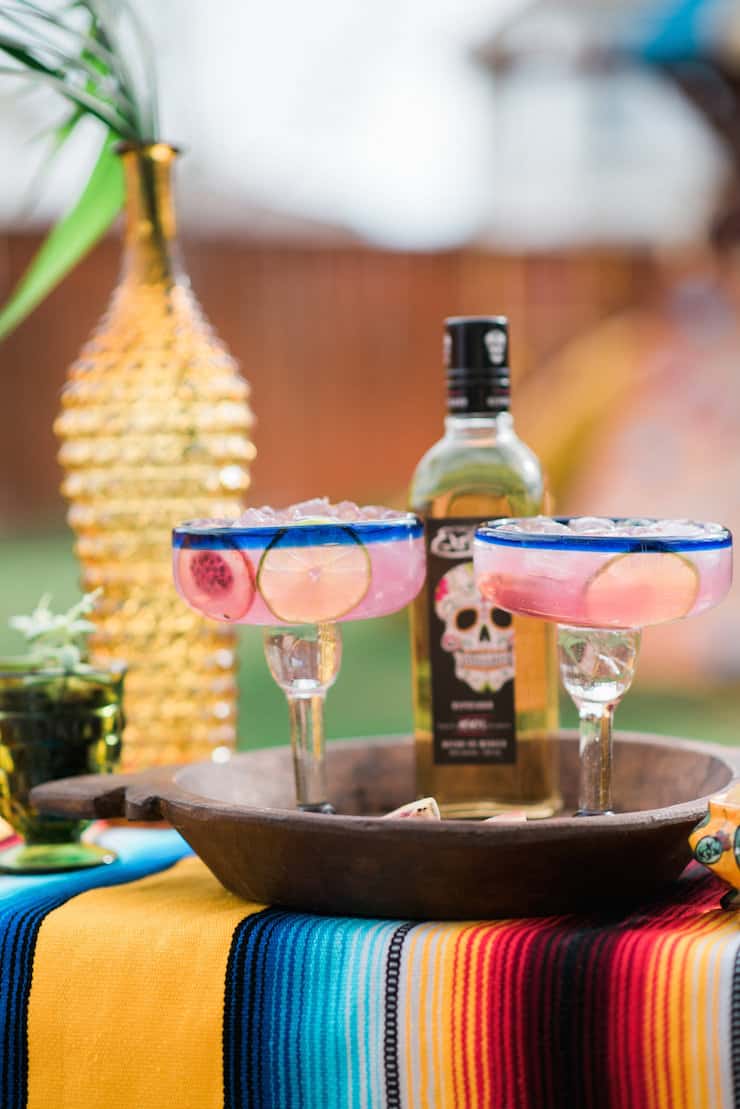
column 601, row 581
column 301, row 571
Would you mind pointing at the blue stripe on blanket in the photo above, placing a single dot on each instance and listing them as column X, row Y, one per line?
column 304, row 1020
column 26, row 900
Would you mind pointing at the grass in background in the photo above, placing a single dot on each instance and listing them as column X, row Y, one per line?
column 372, row 694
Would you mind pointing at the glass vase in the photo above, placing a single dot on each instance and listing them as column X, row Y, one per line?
column 54, row 724
column 154, row 428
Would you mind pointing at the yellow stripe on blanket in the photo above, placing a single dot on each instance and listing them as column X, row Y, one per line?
column 127, row 996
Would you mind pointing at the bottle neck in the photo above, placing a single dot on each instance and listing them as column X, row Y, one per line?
column 480, row 429
column 151, row 253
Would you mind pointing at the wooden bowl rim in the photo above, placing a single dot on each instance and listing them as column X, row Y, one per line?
column 176, row 797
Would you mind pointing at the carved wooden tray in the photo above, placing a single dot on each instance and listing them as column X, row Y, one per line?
column 239, row 818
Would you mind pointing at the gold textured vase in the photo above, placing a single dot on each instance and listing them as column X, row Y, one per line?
column 155, row 428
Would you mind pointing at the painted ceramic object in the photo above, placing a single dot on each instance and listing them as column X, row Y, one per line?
column 716, row 841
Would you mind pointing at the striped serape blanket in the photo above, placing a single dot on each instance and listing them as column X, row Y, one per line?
column 145, row 985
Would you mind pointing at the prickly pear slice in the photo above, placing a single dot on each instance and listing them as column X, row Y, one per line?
column 218, row 583
column 425, row 809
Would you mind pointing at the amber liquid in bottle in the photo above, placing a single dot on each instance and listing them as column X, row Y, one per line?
column 479, row 470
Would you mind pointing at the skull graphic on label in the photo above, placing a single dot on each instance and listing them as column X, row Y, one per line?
column 479, row 637
column 495, row 341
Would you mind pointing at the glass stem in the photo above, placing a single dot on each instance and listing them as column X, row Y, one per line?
column 307, row 741
column 597, row 666
column 304, row 661
column 595, row 794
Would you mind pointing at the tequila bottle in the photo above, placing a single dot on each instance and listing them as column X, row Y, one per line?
column 485, row 683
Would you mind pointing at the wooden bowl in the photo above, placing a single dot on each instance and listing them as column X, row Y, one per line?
column 238, row 817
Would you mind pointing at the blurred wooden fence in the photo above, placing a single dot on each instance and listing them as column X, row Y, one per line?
column 342, row 347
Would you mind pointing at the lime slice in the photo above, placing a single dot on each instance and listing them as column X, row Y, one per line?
column 302, row 584
column 218, row 583
column 640, row 588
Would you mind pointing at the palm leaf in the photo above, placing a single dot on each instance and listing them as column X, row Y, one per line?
column 110, row 116
column 94, row 75
column 24, row 11
column 71, row 238
column 107, row 19
column 148, row 64
column 94, row 57
column 20, row 53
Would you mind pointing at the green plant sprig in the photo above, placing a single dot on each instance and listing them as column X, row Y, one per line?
column 57, row 640
column 91, row 72
column 79, row 50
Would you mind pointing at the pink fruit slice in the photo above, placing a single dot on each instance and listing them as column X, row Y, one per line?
column 640, row 588
column 513, row 816
column 312, row 585
column 425, row 809
column 220, row 584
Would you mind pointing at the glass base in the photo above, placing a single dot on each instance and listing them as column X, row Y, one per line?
column 50, row 858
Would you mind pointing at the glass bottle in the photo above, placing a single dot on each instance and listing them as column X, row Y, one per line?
column 154, row 430
column 485, row 683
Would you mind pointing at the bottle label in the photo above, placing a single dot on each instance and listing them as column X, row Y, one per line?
column 471, row 654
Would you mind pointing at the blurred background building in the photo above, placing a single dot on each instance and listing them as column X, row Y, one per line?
column 354, row 173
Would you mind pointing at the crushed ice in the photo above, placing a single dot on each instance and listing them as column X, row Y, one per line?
column 634, row 527
column 321, row 507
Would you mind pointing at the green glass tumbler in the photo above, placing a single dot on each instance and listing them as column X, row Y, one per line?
column 54, row 724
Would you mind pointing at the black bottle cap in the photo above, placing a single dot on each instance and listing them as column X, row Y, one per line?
column 476, row 350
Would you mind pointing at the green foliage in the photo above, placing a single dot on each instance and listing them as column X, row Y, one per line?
column 70, row 240
column 79, row 50
column 57, row 639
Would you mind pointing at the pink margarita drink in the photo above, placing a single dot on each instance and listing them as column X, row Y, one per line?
column 603, row 573
column 601, row 581
column 311, row 563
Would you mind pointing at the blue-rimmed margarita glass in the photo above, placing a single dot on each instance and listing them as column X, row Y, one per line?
column 601, row 581
column 301, row 575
